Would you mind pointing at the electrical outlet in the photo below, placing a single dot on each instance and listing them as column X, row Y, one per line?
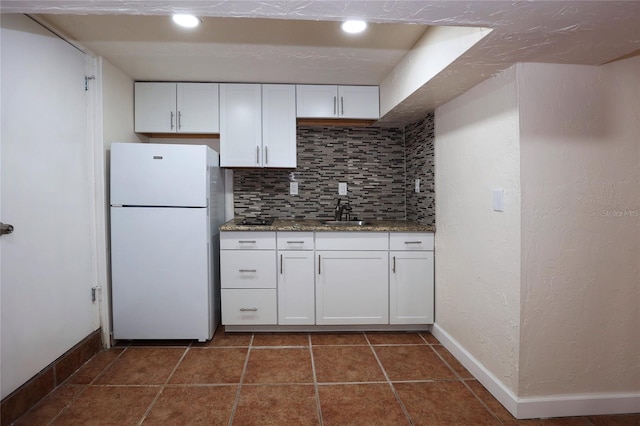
column 498, row 200
column 293, row 188
column 417, row 185
column 342, row 188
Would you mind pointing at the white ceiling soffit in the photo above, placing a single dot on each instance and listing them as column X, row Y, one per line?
column 578, row 32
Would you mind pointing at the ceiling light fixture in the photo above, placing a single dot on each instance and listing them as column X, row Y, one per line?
column 353, row 26
column 187, row 21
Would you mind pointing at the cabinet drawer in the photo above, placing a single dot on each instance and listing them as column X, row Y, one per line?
column 248, row 240
column 352, row 241
column 247, row 306
column 247, row 269
column 295, row 240
column 411, row 241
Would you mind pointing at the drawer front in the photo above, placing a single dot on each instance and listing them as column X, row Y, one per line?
column 248, row 240
column 248, row 306
column 295, row 241
column 352, row 241
column 411, row 241
column 248, row 269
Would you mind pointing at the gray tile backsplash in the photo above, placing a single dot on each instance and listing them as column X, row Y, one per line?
column 419, row 139
column 371, row 160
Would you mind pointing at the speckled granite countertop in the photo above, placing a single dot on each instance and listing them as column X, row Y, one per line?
column 315, row 225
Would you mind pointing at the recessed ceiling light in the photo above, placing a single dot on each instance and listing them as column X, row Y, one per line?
column 354, row 27
column 187, row 21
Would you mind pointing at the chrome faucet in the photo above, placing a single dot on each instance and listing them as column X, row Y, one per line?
column 340, row 209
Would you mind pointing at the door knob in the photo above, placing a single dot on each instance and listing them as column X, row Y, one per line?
column 5, row 228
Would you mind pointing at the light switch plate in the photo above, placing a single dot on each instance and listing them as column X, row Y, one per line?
column 342, row 188
column 417, row 186
column 498, row 200
column 293, row 188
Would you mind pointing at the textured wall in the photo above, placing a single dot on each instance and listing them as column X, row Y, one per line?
column 370, row 160
column 580, row 228
column 477, row 249
column 419, row 138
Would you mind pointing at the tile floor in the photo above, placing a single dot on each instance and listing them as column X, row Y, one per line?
column 281, row 379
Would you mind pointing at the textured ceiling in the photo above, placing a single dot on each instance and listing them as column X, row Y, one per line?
column 578, row 32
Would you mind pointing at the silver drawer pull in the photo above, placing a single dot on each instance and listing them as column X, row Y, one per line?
column 247, row 241
column 247, row 270
column 413, row 242
column 295, row 242
column 248, row 309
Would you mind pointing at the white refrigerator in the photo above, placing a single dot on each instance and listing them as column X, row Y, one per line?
column 167, row 202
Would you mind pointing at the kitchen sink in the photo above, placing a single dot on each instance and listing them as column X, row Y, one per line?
column 344, row 222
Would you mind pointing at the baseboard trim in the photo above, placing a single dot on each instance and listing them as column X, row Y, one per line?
column 539, row 407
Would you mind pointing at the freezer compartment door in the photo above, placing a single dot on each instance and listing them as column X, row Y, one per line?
column 159, row 175
column 161, row 273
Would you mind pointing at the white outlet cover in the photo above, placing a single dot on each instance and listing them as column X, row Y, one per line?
column 498, row 200
column 417, row 185
column 342, row 188
column 293, row 188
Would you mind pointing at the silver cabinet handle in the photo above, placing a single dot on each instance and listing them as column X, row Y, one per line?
column 266, row 155
column 394, row 264
column 172, row 120
column 319, row 263
column 248, row 270
column 179, row 120
column 335, row 106
column 280, row 264
column 295, row 242
column 257, row 155
column 413, row 242
column 247, row 241
column 248, row 309
column 341, row 105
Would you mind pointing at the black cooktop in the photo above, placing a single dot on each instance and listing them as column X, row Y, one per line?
column 257, row 221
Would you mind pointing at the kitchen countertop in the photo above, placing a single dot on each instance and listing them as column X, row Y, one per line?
column 315, row 225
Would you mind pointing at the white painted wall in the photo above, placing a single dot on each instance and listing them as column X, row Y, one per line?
column 580, row 146
column 436, row 50
column 478, row 250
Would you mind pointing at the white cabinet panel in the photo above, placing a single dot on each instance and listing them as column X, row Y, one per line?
column 279, row 125
column 316, row 101
column 198, row 108
column 249, row 307
column 155, row 107
column 248, row 268
column 327, row 101
column 247, row 240
column 295, row 240
column 359, row 102
column 411, row 241
column 411, row 292
column 352, row 287
column 240, row 125
column 296, row 287
column 352, row 241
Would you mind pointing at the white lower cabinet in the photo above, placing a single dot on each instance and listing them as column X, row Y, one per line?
column 296, row 290
column 249, row 306
column 411, row 287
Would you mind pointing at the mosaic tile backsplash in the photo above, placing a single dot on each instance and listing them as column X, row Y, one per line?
column 419, row 139
column 370, row 160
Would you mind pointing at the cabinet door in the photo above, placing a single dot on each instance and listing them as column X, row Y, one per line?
column 352, row 287
column 317, row 101
column 240, row 125
column 279, row 125
column 360, row 102
column 248, row 268
column 155, row 107
column 296, row 290
column 411, row 293
column 198, row 108
column 249, row 306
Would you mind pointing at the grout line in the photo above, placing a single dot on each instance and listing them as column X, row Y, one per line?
column 236, row 401
column 315, row 383
column 153, row 402
column 389, row 382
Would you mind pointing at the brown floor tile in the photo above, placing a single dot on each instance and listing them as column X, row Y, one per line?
column 211, row 365
column 339, row 339
column 395, row 339
column 346, row 364
column 114, row 405
column 616, row 420
column 281, row 339
column 142, row 366
column 221, row 338
column 430, row 338
column 360, row 404
column 443, row 403
column 277, row 405
column 47, row 409
column 95, row 366
column 190, row 405
column 490, row 401
column 27, row 395
column 76, row 357
column 453, row 362
column 413, row 363
column 289, row 365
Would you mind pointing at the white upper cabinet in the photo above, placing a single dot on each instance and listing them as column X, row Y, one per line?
column 257, row 125
column 176, row 108
column 326, row 101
